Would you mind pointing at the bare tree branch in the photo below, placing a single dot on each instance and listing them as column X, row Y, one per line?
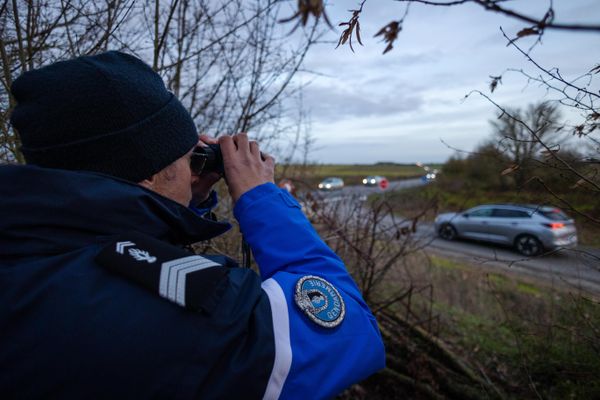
column 492, row 5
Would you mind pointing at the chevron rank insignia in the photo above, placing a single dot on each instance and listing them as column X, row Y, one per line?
column 189, row 280
column 320, row 301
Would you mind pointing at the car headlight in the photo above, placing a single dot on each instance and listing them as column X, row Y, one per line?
column 320, row 186
column 365, row 181
column 328, row 186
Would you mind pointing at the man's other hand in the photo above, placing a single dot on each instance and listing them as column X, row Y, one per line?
column 245, row 166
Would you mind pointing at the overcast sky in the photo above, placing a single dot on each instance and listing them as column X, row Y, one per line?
column 367, row 107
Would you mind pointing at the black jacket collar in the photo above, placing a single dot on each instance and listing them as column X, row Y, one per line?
column 50, row 211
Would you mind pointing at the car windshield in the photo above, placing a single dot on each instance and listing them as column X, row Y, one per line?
column 555, row 214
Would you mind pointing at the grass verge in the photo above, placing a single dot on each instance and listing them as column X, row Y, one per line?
column 531, row 341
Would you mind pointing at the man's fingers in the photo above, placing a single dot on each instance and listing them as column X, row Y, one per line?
column 268, row 158
column 241, row 140
column 228, row 147
column 254, row 148
column 207, row 139
column 245, row 166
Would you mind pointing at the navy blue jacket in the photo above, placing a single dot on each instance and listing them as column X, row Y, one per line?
column 73, row 325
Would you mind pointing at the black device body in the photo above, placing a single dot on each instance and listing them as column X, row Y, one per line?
column 207, row 159
column 210, row 159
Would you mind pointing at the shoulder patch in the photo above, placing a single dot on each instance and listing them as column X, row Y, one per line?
column 320, row 301
column 192, row 281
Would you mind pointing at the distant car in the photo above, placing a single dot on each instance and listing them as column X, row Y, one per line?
column 331, row 184
column 530, row 229
column 373, row 180
column 429, row 177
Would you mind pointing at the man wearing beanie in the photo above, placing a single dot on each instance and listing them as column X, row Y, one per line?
column 100, row 298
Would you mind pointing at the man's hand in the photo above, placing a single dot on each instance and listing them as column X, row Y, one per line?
column 245, row 166
column 202, row 184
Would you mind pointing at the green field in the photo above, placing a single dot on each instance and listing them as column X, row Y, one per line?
column 352, row 174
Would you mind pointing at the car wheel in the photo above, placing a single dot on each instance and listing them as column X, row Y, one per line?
column 528, row 245
column 447, row 232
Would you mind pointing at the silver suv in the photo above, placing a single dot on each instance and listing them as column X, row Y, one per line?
column 530, row 229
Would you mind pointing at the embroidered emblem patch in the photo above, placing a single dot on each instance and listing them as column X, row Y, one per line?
column 320, row 301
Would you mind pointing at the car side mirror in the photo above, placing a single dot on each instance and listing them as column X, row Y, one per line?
column 466, row 215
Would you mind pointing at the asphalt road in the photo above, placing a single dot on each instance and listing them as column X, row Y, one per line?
column 574, row 269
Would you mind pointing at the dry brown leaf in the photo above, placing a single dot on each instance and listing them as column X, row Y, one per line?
column 306, row 8
column 528, row 32
column 579, row 183
column 593, row 116
column 353, row 26
column 390, row 34
column 494, row 83
column 510, row 169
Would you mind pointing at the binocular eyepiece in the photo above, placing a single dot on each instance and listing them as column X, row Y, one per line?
column 207, row 159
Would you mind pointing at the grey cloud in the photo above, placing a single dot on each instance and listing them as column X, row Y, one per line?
column 389, row 150
column 329, row 104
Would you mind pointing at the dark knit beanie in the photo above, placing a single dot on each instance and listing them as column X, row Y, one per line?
column 108, row 113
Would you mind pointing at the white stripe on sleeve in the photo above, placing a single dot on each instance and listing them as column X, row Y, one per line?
column 281, row 330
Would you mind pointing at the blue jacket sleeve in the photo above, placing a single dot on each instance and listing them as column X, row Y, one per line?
column 311, row 361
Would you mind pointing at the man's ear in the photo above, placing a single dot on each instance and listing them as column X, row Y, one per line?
column 166, row 174
column 149, row 183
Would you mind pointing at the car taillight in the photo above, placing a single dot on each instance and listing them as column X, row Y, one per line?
column 555, row 225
